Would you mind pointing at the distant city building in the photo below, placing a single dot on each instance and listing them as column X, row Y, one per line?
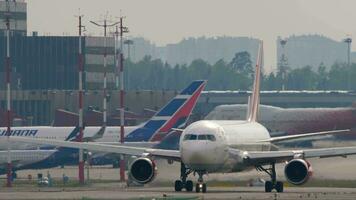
column 17, row 15
column 187, row 50
column 312, row 50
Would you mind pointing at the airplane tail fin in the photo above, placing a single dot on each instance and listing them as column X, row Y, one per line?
column 255, row 97
column 73, row 135
column 173, row 115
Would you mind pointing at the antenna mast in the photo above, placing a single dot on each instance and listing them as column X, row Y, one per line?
column 8, row 95
column 80, row 101
column 123, row 30
column 105, row 26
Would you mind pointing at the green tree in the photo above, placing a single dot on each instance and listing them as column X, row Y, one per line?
column 338, row 75
column 242, row 62
column 322, row 77
column 302, row 79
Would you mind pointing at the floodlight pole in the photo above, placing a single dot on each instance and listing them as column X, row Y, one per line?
column 116, row 34
column 8, row 97
column 128, row 43
column 122, row 94
column 348, row 41
column 80, row 102
column 105, row 26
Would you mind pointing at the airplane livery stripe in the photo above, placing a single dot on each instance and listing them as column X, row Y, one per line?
column 183, row 96
column 192, row 88
column 144, row 133
column 161, row 118
column 172, row 107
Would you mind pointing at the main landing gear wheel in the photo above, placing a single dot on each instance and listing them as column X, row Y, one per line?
column 183, row 183
column 273, row 184
column 189, row 186
column 279, row 186
column 268, row 186
column 178, row 185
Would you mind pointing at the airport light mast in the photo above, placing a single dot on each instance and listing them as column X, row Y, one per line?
column 128, row 43
column 348, row 41
column 80, row 102
column 122, row 96
column 105, row 25
column 283, row 63
column 8, row 96
column 116, row 35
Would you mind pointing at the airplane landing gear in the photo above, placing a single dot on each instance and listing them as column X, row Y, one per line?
column 273, row 184
column 183, row 182
column 200, row 186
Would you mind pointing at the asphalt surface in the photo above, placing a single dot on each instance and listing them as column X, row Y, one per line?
column 328, row 169
column 167, row 193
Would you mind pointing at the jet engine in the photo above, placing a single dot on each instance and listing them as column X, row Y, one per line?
column 143, row 170
column 298, row 171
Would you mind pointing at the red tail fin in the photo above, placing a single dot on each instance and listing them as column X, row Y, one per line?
column 255, row 97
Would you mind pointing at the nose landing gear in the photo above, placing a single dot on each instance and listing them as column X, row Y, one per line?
column 273, row 184
column 200, row 186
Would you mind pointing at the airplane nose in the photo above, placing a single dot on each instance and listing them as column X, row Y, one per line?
column 197, row 154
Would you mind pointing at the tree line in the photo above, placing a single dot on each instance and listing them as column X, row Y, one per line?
column 237, row 74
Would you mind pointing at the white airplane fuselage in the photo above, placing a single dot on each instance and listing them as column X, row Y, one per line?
column 112, row 134
column 204, row 145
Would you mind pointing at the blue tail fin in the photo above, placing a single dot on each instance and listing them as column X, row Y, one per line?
column 175, row 114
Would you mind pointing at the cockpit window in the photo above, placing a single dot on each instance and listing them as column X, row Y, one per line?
column 190, row 137
column 199, row 137
column 211, row 137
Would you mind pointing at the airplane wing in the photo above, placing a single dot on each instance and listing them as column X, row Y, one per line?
column 130, row 144
column 306, row 136
column 107, row 148
column 264, row 157
column 250, row 157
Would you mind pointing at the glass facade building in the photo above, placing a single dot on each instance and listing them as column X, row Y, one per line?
column 42, row 62
column 17, row 13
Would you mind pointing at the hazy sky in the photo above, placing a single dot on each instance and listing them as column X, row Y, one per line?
column 169, row 21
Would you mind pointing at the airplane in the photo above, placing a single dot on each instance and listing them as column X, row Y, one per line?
column 288, row 121
column 226, row 146
column 175, row 114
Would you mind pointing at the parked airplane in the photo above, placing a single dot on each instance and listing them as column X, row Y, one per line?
column 174, row 115
column 210, row 146
column 289, row 121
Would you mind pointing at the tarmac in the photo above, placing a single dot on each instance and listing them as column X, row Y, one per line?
column 105, row 184
column 168, row 193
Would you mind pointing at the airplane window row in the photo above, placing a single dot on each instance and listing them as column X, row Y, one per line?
column 47, row 137
column 199, row 137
